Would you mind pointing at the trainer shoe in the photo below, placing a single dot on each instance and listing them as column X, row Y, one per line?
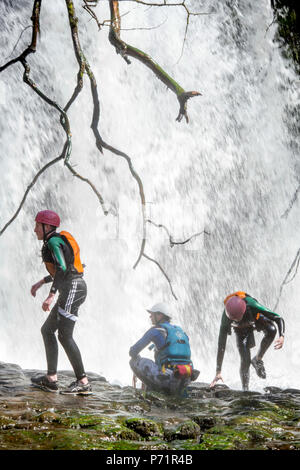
column 42, row 382
column 77, row 388
column 259, row 367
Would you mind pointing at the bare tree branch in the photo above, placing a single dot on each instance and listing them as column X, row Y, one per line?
column 16, row 45
column 286, row 281
column 171, row 240
column 164, row 273
column 84, row 67
column 129, row 51
column 106, row 23
column 42, row 170
column 86, row 180
column 292, row 202
column 35, row 30
column 100, row 143
column 88, row 8
column 26, row 78
column 64, row 118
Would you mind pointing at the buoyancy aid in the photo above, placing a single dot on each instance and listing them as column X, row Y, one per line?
column 75, row 248
column 76, row 264
column 177, row 349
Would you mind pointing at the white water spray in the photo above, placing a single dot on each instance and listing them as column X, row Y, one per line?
column 231, row 171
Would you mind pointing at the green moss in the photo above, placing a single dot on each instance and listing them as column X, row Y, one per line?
column 144, row 427
column 243, row 423
column 187, row 430
column 6, row 422
column 223, row 437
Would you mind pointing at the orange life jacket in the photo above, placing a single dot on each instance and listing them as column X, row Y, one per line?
column 70, row 240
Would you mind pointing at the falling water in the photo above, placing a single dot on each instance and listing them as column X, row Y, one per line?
column 231, row 171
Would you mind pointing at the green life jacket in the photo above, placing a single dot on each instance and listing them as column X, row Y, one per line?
column 177, row 349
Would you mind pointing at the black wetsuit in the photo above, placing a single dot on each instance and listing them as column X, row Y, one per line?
column 257, row 317
column 58, row 254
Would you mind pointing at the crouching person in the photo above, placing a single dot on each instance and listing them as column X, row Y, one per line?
column 172, row 370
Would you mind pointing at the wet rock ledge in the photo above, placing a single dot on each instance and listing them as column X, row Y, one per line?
column 122, row 418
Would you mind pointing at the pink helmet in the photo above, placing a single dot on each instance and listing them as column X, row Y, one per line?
column 235, row 308
column 48, row 217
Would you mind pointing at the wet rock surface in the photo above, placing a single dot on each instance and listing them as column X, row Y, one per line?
column 116, row 418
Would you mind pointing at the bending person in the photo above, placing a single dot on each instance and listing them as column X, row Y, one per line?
column 61, row 256
column 172, row 370
column 244, row 314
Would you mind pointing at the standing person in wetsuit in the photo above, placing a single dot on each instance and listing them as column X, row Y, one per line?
column 244, row 314
column 172, row 370
column 60, row 253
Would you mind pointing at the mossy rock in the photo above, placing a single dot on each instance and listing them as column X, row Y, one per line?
column 83, row 421
column 187, row 430
column 144, row 427
column 6, row 422
column 47, row 417
column 205, row 422
column 224, row 438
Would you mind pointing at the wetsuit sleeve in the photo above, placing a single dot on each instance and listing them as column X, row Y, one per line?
column 151, row 336
column 225, row 329
column 48, row 279
column 55, row 245
column 268, row 314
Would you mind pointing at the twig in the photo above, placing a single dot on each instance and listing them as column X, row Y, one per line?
column 164, row 273
column 93, row 14
column 171, row 240
column 285, row 281
column 64, row 118
column 29, row 188
column 293, row 200
column 30, row 26
column 35, row 30
column 86, row 180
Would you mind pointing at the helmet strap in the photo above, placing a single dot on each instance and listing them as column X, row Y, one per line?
column 46, row 234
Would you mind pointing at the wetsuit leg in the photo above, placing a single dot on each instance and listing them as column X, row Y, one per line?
column 147, row 371
column 178, row 386
column 48, row 332
column 152, row 376
column 269, row 331
column 65, row 336
column 244, row 350
column 69, row 301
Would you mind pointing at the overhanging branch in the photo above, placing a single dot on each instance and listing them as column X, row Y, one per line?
column 127, row 51
column 84, row 66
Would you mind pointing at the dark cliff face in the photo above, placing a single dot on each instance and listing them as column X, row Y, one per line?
column 287, row 15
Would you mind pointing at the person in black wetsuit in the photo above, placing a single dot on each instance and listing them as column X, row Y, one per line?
column 61, row 256
column 244, row 314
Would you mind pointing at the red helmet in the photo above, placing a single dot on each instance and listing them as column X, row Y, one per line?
column 235, row 308
column 48, row 217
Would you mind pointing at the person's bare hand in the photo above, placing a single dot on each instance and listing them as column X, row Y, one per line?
column 216, row 379
column 35, row 287
column 279, row 343
column 48, row 302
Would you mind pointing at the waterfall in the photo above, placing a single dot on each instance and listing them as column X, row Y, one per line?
column 232, row 171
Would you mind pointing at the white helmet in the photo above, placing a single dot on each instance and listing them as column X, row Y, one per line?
column 160, row 308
